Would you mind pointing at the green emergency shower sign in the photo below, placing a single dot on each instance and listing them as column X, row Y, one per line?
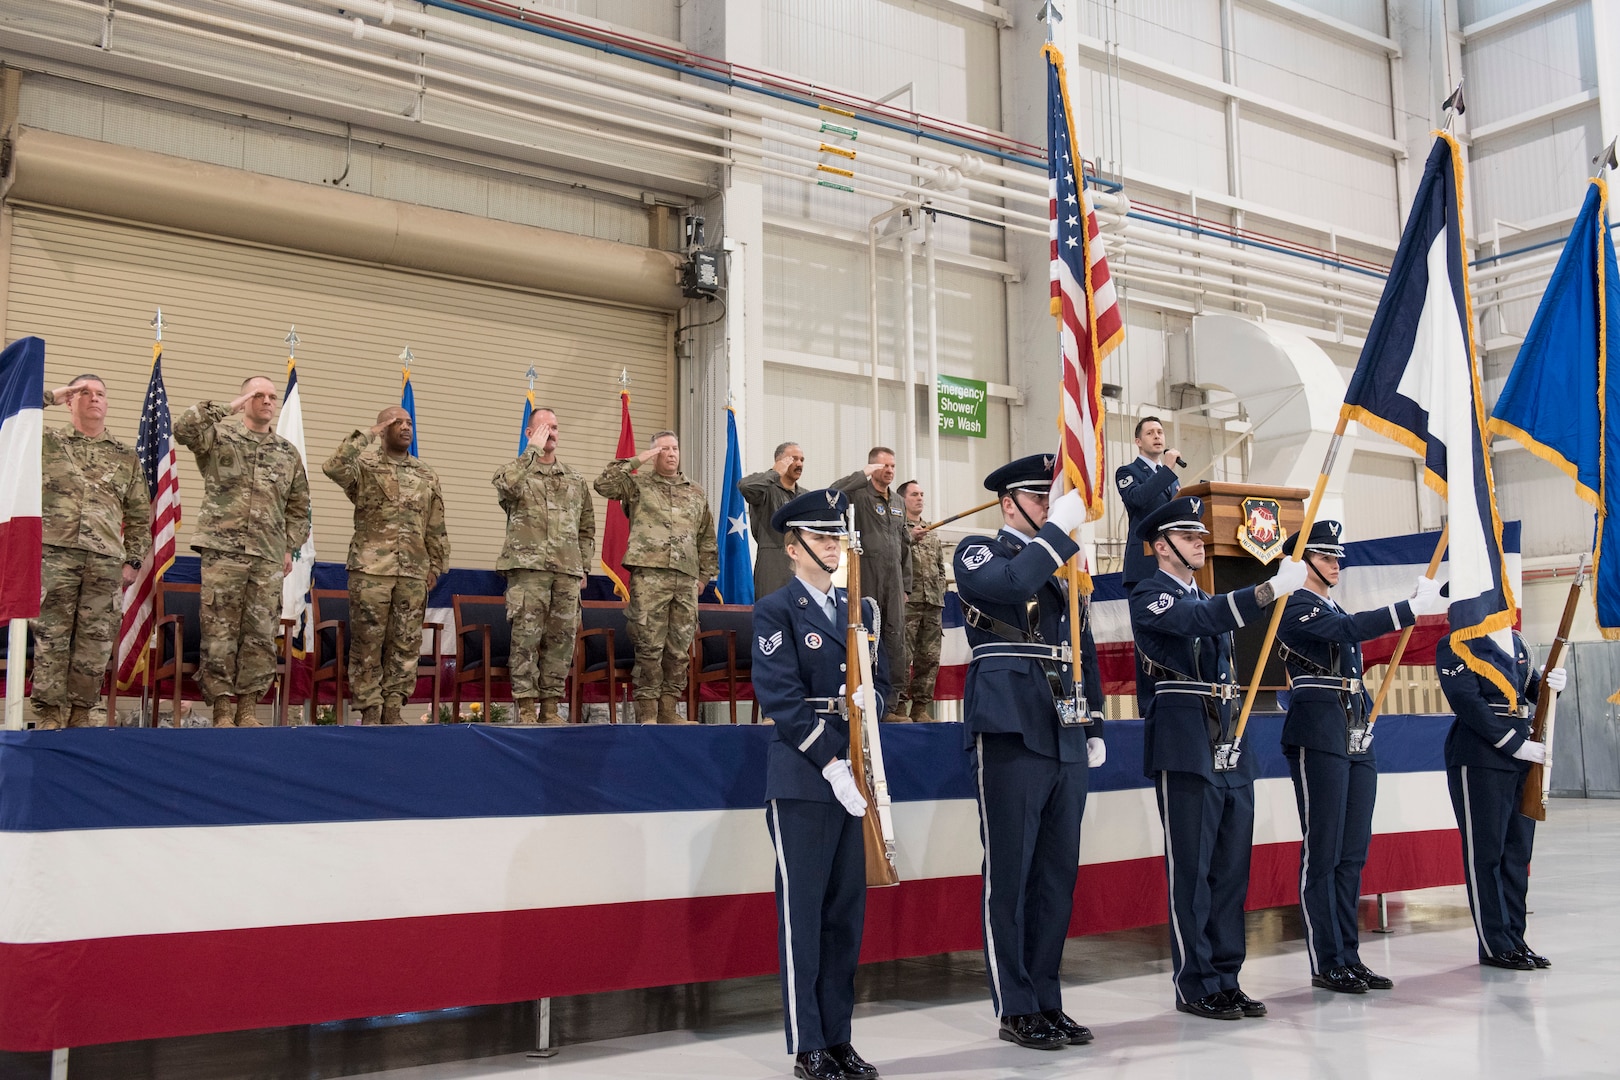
column 962, row 408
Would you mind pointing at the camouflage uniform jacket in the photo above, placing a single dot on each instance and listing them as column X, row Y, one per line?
column 398, row 510
column 550, row 522
column 670, row 522
column 927, row 568
column 93, row 495
column 255, row 491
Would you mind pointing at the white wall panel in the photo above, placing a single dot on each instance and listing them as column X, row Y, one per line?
column 1536, row 493
column 1534, row 171
column 1166, row 131
column 1186, row 33
column 1290, row 62
column 1367, row 14
column 1286, row 168
column 1472, row 11
column 874, row 47
column 1529, row 64
column 661, row 17
column 1380, row 497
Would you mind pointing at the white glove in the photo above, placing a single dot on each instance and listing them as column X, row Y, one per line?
column 1556, row 679
column 1096, row 753
column 1426, row 598
column 837, row 774
column 1529, row 751
column 1069, row 512
column 1289, row 577
column 859, row 696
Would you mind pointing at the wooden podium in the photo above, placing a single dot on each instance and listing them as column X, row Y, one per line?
column 1228, row 566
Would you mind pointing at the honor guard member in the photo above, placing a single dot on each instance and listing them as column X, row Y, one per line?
column 255, row 514
column 1145, row 484
column 1488, row 754
column 1329, row 752
column 925, row 609
column 766, row 493
column 813, row 809
column 96, row 524
column 399, row 548
column 1206, row 800
column 1034, row 736
column 671, row 555
column 550, row 540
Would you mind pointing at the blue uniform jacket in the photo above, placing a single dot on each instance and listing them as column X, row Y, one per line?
column 1482, row 737
column 1315, row 628
column 1000, row 575
column 1143, row 488
column 798, row 654
column 1179, row 628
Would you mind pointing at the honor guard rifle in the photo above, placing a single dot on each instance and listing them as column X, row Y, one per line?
column 865, row 742
column 1538, row 782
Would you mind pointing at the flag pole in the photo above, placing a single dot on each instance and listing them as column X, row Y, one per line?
column 1406, row 633
column 1277, row 606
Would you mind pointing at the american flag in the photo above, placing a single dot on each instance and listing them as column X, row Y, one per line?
column 1083, row 300
column 155, row 448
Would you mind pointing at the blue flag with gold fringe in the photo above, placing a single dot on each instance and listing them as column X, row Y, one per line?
column 735, row 582
column 407, row 401
column 523, row 426
column 1417, row 382
column 1562, row 399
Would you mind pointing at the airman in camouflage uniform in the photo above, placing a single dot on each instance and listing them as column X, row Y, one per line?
column 766, row 493
column 924, row 606
column 97, row 527
column 550, row 540
column 255, row 514
column 671, row 556
column 399, row 549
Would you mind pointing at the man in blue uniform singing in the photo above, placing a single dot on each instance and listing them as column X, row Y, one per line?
column 1488, row 753
column 1329, row 751
column 1206, row 799
column 813, row 808
column 1034, row 735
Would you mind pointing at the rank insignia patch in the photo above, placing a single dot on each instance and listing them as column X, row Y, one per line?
column 976, row 556
column 1162, row 604
column 768, row 645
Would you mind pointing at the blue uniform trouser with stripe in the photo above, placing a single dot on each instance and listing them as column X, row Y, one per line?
column 1030, row 808
column 820, row 908
column 1208, row 836
column 1335, row 797
column 1496, row 843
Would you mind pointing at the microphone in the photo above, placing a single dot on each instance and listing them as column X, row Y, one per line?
column 1181, row 462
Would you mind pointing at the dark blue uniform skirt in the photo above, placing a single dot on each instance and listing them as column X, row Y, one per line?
column 1496, row 842
column 1208, row 836
column 1335, row 797
column 820, row 908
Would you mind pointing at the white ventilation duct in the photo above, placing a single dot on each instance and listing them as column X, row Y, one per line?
column 1292, row 390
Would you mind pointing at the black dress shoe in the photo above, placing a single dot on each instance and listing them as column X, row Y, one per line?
column 1512, row 961
column 1244, row 1003
column 1373, row 980
column 817, row 1065
column 1211, row 1007
column 1032, row 1030
column 1341, row 980
column 852, row 1063
column 1077, row 1034
column 1534, row 957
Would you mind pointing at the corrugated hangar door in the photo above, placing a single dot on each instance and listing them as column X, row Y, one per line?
column 89, row 287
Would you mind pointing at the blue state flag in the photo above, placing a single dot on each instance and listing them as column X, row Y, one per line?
column 1417, row 382
column 1562, row 400
column 736, row 580
column 523, row 425
column 407, row 401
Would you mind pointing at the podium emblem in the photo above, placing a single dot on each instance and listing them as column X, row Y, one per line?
column 1261, row 533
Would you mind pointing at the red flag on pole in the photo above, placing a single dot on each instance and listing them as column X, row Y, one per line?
column 616, row 533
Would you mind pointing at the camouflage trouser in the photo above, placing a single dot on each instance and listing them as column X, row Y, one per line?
column 385, row 636
column 543, row 608
column 662, row 617
column 81, row 607
column 923, row 637
column 241, row 614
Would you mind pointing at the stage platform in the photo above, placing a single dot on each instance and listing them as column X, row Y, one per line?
column 159, row 883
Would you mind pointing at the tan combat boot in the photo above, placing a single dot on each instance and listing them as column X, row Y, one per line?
column 247, row 713
column 667, row 713
column 646, row 710
column 920, row 714
column 224, row 712
column 47, row 718
column 391, row 710
column 371, row 714
column 523, row 710
column 549, row 716
column 78, row 716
